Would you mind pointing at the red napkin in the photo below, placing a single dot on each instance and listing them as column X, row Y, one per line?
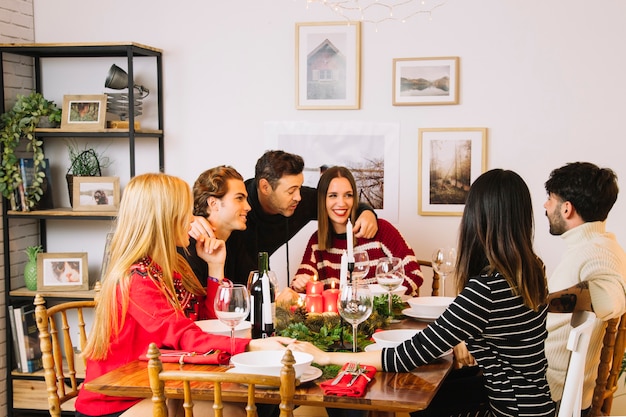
column 343, row 390
column 182, row 357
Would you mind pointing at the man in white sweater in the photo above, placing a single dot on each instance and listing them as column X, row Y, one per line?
column 592, row 273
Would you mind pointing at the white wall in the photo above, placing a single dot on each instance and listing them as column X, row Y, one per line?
column 546, row 79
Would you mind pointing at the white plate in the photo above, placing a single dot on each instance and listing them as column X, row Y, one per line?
column 217, row 327
column 310, row 374
column 376, row 289
column 410, row 313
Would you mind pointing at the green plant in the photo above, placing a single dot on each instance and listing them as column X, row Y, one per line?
column 86, row 162
column 17, row 124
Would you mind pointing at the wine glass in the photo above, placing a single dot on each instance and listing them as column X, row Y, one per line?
column 232, row 305
column 355, row 306
column 361, row 265
column 444, row 261
column 390, row 274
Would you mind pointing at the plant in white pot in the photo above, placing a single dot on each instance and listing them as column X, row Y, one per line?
column 84, row 162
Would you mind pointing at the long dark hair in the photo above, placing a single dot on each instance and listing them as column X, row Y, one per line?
column 496, row 235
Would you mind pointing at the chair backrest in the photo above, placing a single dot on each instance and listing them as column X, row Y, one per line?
column 286, row 382
column 613, row 346
column 57, row 348
column 578, row 343
column 436, row 281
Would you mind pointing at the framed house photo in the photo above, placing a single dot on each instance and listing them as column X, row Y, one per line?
column 96, row 193
column 425, row 81
column 328, row 65
column 450, row 159
column 84, row 112
column 62, row 271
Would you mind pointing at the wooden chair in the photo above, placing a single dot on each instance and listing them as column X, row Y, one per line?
column 436, row 278
column 57, row 348
column 286, row 381
column 613, row 346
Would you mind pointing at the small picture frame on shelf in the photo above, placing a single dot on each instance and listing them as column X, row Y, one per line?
column 62, row 272
column 96, row 193
column 84, row 112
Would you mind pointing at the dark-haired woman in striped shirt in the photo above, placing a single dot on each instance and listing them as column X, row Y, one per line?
column 500, row 311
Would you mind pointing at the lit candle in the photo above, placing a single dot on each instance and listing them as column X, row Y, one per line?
column 350, row 240
column 314, row 286
column 330, row 299
column 314, row 303
column 343, row 271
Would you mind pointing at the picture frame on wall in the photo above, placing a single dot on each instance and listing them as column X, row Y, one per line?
column 425, row 81
column 328, row 65
column 62, row 271
column 450, row 159
column 96, row 193
column 84, row 112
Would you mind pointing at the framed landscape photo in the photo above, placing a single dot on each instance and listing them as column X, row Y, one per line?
column 96, row 193
column 328, row 65
column 425, row 81
column 450, row 159
column 84, row 112
column 62, row 271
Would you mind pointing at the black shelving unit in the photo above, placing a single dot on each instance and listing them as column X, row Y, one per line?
column 40, row 52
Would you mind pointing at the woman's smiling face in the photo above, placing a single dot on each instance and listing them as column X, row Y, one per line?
column 339, row 202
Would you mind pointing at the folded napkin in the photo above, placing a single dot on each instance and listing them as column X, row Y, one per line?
column 357, row 389
column 182, row 357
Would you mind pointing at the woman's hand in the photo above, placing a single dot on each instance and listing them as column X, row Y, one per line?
column 366, row 225
column 319, row 356
column 299, row 282
column 270, row 343
column 201, row 227
column 462, row 357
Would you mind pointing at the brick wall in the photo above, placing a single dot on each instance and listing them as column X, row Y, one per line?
column 16, row 25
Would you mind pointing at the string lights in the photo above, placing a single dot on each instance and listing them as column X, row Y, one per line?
column 378, row 11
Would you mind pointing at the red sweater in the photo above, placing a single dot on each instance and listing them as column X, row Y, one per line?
column 387, row 242
column 150, row 318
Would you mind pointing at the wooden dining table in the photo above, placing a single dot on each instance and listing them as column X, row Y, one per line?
column 388, row 393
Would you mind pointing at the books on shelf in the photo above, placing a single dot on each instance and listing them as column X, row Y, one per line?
column 27, row 171
column 26, row 337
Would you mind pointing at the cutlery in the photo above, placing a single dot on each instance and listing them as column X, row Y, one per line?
column 355, row 377
column 350, row 368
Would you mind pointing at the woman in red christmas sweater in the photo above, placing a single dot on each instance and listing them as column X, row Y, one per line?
column 337, row 200
column 138, row 303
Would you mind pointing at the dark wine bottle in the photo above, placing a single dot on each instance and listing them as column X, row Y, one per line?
column 263, row 294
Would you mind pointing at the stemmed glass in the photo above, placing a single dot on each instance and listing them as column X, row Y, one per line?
column 355, row 306
column 232, row 305
column 390, row 274
column 444, row 261
column 361, row 265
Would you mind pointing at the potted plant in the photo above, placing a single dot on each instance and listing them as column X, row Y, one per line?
column 17, row 124
column 84, row 162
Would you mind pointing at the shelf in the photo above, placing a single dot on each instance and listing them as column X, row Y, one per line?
column 51, row 133
column 80, row 50
column 25, row 292
column 63, row 213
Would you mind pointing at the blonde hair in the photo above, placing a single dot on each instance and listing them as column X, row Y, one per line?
column 155, row 210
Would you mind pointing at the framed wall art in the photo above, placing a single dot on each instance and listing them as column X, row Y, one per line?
column 62, row 271
column 328, row 65
column 84, row 112
column 96, row 193
column 425, row 81
column 450, row 159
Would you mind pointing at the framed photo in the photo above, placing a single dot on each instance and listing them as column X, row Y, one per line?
column 328, row 65
column 425, row 81
column 62, row 271
column 84, row 112
column 96, row 193
column 450, row 159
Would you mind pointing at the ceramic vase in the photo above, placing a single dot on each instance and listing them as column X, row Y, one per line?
column 30, row 275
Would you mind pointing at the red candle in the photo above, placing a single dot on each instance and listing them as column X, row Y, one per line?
column 314, row 303
column 330, row 300
column 314, row 286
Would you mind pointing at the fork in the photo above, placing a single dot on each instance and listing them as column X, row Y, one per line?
column 350, row 368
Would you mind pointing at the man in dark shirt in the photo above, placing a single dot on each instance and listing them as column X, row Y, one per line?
column 280, row 208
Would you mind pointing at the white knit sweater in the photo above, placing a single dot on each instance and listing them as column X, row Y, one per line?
column 592, row 255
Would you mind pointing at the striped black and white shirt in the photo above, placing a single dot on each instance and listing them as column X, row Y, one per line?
column 505, row 337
